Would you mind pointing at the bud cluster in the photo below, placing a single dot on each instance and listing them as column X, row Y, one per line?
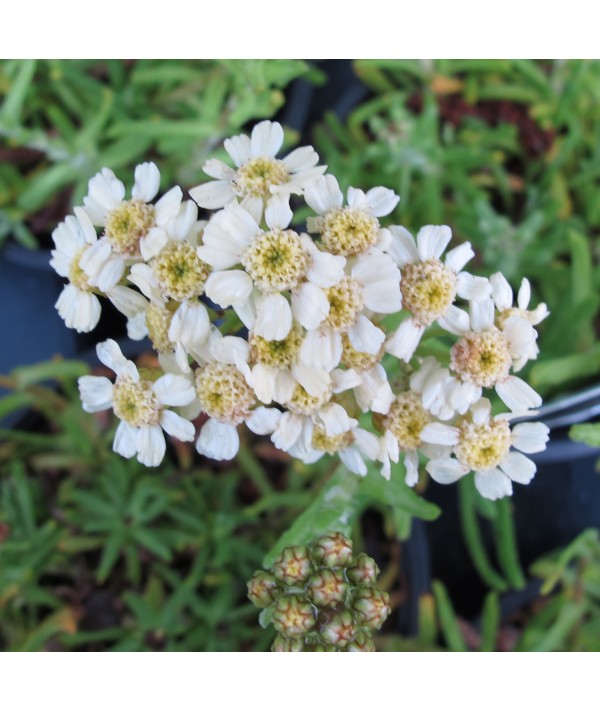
column 322, row 598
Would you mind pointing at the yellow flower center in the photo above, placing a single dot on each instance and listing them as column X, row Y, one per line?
column 332, row 444
column 276, row 260
column 224, row 393
column 483, row 446
column 352, row 358
column 276, row 354
column 428, row 289
column 158, row 321
column 348, row 231
column 77, row 276
column 482, row 358
column 180, row 271
column 258, row 175
column 127, row 224
column 345, row 302
column 301, row 403
column 135, row 403
column 406, row 419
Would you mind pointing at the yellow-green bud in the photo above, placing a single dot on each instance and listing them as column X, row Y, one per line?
column 327, row 588
column 364, row 572
column 294, row 616
column 361, row 643
column 281, row 644
column 293, row 567
column 332, row 550
column 262, row 589
column 340, row 629
column 372, row 606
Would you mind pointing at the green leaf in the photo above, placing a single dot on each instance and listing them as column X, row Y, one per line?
column 50, row 370
column 332, row 510
column 490, row 622
column 447, row 617
column 589, row 433
column 15, row 100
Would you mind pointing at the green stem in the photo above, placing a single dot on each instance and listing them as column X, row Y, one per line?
column 472, row 536
column 447, row 616
column 506, row 544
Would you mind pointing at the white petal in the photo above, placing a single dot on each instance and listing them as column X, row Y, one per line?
column 493, row 484
column 365, row 337
column 402, row 248
column 147, row 182
column 482, row 314
column 263, row 420
column 80, row 309
column 173, row 390
column 87, row 229
column 459, row 256
column 315, row 381
column 232, row 350
column 238, row 148
column 125, row 442
column 287, row 432
column 110, row 274
column 530, row 437
column 517, row 394
column 310, row 305
column 404, row 341
column 301, row 159
column 177, row 426
column 324, row 194
column 446, row 470
column 455, row 321
column 218, row 440
column 152, row 242
column 264, row 380
column 168, row 206
column 335, row 419
column 353, row 461
column 367, row 442
column 111, row 356
column 278, row 214
column 524, row 294
column 228, row 287
column 326, row 269
column 381, row 201
column 473, row 288
column 106, row 190
column 518, row 467
column 213, row 195
column 438, row 433
column 432, row 240
column 151, row 445
column 383, row 298
column 501, row 291
column 218, row 170
column 321, row 349
column 481, row 411
column 266, row 139
column 95, row 392
column 190, row 325
column 375, row 267
column 273, row 318
column 411, row 464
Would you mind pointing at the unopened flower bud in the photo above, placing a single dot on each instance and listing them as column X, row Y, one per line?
column 364, row 571
column 373, row 607
column 340, row 629
column 262, row 588
column 293, row 567
column 332, row 550
column 294, row 616
column 327, row 588
column 361, row 643
column 281, row 644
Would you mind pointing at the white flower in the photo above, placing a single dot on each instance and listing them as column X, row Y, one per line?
column 274, row 262
column 258, row 175
column 482, row 444
column 132, row 227
column 353, row 229
column 141, row 405
column 224, row 393
column 485, row 354
column 77, row 256
column 429, row 286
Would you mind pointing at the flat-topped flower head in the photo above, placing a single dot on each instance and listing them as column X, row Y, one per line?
column 223, row 393
column 429, row 286
column 179, row 271
column 482, row 444
column 352, row 229
column 140, row 404
column 482, row 358
column 258, row 174
column 88, row 266
column 134, row 228
column 284, row 274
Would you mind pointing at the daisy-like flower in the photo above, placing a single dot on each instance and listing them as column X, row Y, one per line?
column 224, row 393
column 429, row 286
column 134, row 227
column 371, row 287
column 352, row 446
column 503, row 299
column 87, row 269
column 482, row 444
column 485, row 354
column 274, row 263
column 352, row 229
column 140, row 404
column 258, row 175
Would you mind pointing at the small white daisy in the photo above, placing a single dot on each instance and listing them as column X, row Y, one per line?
column 258, row 175
column 132, row 227
column 140, row 404
column 353, row 229
column 482, row 444
column 429, row 286
column 75, row 240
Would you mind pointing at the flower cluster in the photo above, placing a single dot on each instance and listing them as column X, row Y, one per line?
column 321, row 598
column 314, row 337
